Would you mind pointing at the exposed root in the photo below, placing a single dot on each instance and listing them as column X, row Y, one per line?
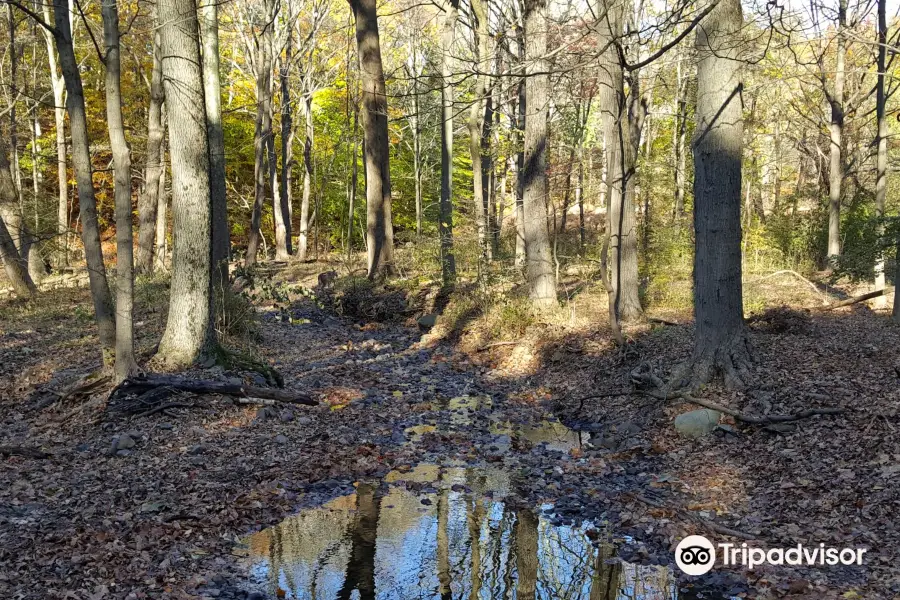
column 732, row 360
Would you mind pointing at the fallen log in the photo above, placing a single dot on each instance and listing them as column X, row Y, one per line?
column 765, row 420
column 857, row 299
column 143, row 384
column 23, row 451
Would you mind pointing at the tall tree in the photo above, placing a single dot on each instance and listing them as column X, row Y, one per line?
column 379, row 225
column 148, row 202
column 221, row 241
column 87, row 201
column 620, row 167
column 59, row 113
column 539, row 270
column 445, row 212
column 720, row 339
column 881, row 139
column 189, row 334
column 527, row 562
column 16, row 266
column 836, row 131
column 125, row 364
column 478, row 120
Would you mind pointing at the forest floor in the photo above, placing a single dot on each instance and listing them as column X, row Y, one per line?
column 161, row 518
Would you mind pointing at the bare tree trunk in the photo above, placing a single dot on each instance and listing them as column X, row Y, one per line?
column 442, row 557
column 445, row 216
column 354, row 183
column 303, row 241
column 189, row 334
column 125, row 363
column 477, row 123
column 720, row 340
column 379, row 225
column 836, row 131
column 520, row 162
column 881, row 144
column 415, row 126
column 678, row 137
column 15, row 264
column 161, row 221
column 149, row 200
column 287, row 138
column 87, row 202
column 59, row 112
column 618, row 122
column 208, row 14
column 539, row 261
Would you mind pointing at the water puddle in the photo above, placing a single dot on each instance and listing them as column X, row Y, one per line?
column 442, row 532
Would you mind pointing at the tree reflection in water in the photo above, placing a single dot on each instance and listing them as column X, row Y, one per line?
column 457, row 539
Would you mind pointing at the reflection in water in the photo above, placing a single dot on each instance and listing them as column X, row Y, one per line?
column 441, row 533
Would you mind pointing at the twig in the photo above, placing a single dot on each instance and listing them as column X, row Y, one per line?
column 166, row 406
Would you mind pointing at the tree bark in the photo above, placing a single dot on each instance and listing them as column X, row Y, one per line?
column 379, row 226
column 87, row 202
column 836, row 131
column 189, row 334
column 538, row 258
column 125, row 363
column 287, row 138
column 881, row 145
column 59, row 113
column 163, row 201
column 477, row 122
column 149, row 201
column 678, row 138
column 720, row 340
column 212, row 93
column 15, row 265
column 303, row 240
column 445, row 209
column 620, row 156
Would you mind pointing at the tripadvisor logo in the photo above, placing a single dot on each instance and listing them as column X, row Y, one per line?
column 696, row 555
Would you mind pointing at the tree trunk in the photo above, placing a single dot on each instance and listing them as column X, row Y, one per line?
column 59, row 112
column 881, row 144
column 678, row 138
column 442, row 554
column 15, row 264
column 189, row 334
column 208, row 14
column 538, row 260
column 87, row 202
column 836, row 131
column 363, row 537
column 125, row 364
column 162, row 205
column 620, row 156
column 379, row 226
column 149, row 200
column 303, row 240
column 520, row 162
column 720, row 340
column 477, row 122
column 414, row 124
column 445, row 216
column 287, row 137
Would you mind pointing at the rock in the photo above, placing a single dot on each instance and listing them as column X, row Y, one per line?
column 265, row 413
column 697, row 423
column 280, row 439
column 124, row 442
column 123, row 452
column 426, row 322
column 287, row 415
column 256, row 596
column 304, row 421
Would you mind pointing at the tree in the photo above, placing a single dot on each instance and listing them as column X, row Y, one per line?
column 148, row 203
column 221, row 241
column 125, row 364
column 621, row 233
column 379, row 225
column 87, row 201
column 538, row 259
column 189, row 334
column 16, row 266
column 445, row 216
column 720, row 338
column 836, row 129
column 479, row 126
column 881, row 140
